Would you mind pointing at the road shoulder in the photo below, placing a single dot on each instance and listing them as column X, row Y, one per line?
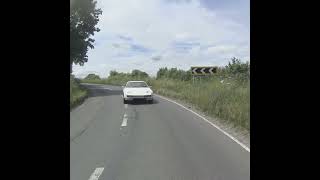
column 240, row 134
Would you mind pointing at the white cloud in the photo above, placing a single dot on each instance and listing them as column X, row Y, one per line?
column 223, row 49
column 156, row 24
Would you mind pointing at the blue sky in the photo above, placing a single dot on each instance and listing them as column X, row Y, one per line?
column 149, row 34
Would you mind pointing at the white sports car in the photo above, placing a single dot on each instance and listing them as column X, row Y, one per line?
column 137, row 90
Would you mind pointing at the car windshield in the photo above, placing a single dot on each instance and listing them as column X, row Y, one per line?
column 136, row 84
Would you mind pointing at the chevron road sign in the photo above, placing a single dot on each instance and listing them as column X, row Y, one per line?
column 203, row 70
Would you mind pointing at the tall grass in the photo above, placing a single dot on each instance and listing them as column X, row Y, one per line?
column 77, row 93
column 229, row 102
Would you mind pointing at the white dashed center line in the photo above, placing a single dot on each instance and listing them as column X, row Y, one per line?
column 96, row 174
column 124, row 121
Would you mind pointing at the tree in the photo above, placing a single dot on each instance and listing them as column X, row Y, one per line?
column 113, row 73
column 138, row 73
column 162, row 73
column 237, row 67
column 84, row 16
column 174, row 73
column 92, row 77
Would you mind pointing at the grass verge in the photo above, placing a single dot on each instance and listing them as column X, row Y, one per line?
column 77, row 93
column 229, row 102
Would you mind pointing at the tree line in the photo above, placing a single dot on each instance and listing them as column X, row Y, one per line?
column 235, row 68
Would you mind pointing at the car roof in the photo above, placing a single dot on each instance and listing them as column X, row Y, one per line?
column 136, row 81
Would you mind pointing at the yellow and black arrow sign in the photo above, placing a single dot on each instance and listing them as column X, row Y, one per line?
column 203, row 70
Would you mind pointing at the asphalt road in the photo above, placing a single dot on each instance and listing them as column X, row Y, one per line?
column 159, row 141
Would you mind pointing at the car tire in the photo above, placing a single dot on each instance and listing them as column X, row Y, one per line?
column 124, row 101
column 150, row 101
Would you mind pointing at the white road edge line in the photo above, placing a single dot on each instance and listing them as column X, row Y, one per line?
column 96, row 174
column 227, row 134
column 124, row 121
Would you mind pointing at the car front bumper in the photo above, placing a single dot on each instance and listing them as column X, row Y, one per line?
column 133, row 97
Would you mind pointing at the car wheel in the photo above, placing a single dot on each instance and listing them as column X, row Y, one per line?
column 124, row 101
column 150, row 101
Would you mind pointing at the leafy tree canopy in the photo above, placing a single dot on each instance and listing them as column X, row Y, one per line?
column 84, row 16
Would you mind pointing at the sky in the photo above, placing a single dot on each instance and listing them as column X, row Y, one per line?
column 150, row 34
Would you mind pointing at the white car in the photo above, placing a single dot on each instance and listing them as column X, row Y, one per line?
column 137, row 90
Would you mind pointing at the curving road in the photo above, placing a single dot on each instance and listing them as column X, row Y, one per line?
column 159, row 141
